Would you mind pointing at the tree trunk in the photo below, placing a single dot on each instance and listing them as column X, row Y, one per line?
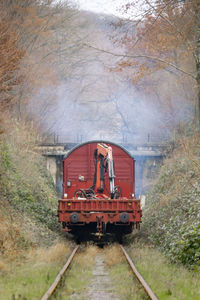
column 197, row 11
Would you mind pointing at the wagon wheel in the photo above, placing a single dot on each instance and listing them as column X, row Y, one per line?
column 80, row 193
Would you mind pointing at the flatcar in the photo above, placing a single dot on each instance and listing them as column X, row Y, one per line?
column 99, row 191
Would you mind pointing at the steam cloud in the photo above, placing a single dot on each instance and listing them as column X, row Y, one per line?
column 94, row 103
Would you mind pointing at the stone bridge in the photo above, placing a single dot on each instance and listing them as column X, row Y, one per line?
column 148, row 159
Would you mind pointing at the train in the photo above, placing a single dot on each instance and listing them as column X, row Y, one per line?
column 98, row 194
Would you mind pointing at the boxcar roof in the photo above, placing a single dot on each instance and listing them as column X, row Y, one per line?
column 97, row 141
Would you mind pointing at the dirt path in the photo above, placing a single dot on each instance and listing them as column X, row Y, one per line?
column 101, row 287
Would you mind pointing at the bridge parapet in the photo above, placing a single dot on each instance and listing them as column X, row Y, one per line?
column 51, row 150
column 136, row 150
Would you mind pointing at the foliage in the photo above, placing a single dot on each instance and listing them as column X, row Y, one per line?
column 25, row 182
column 28, row 46
column 165, row 42
column 173, row 206
column 11, row 55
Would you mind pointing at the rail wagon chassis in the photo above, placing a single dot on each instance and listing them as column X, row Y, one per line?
column 99, row 191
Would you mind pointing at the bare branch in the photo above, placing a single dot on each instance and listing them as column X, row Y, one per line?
column 143, row 56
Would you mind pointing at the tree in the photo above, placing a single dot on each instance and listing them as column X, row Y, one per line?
column 164, row 38
column 10, row 57
column 168, row 37
column 34, row 37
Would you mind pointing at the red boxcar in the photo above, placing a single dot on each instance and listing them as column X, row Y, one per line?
column 100, row 214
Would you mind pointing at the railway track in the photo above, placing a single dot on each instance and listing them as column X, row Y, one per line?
column 145, row 286
column 53, row 287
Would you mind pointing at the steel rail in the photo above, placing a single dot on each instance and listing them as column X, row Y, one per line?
column 52, row 288
column 139, row 276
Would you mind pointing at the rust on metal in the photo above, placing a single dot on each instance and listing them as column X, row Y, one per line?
column 59, row 276
column 139, row 277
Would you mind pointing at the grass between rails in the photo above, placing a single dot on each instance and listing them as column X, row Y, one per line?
column 74, row 285
column 31, row 277
column 167, row 280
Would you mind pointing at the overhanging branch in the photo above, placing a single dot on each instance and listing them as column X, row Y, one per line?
column 142, row 56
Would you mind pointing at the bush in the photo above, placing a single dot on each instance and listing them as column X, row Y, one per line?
column 24, row 180
column 172, row 216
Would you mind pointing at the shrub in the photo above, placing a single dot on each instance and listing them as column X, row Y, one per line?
column 24, row 180
column 171, row 218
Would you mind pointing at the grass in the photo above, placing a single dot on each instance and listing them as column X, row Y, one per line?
column 125, row 284
column 78, row 277
column 167, row 280
column 32, row 249
column 29, row 278
column 20, row 233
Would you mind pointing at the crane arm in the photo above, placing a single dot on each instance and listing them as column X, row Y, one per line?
column 104, row 152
